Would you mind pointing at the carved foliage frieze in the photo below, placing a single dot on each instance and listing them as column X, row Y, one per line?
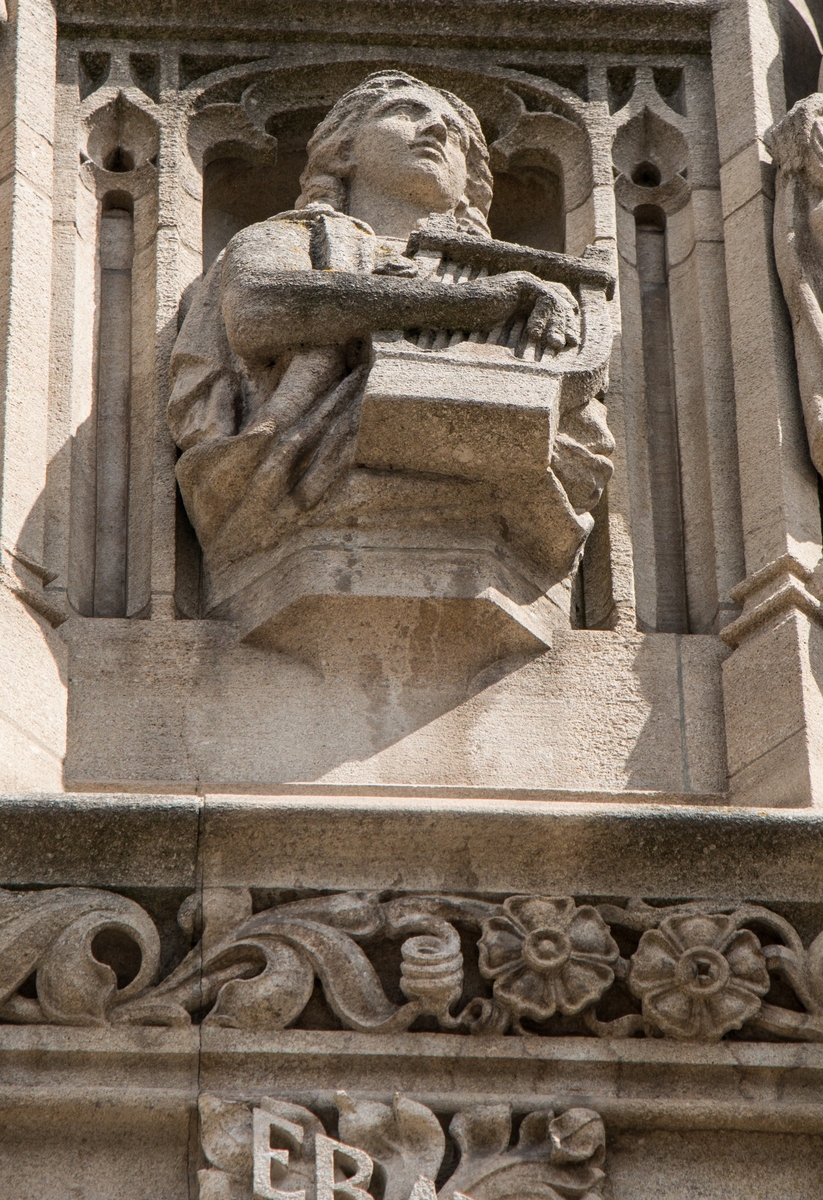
column 359, row 961
column 277, row 1150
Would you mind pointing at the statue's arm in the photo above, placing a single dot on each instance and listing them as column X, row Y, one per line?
column 789, row 266
column 268, row 309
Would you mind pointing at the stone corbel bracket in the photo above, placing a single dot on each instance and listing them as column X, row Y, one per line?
column 474, row 409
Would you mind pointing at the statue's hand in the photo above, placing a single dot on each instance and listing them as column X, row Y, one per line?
column 554, row 321
column 555, row 318
column 553, row 313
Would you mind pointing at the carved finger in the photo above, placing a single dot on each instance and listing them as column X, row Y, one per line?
column 556, row 324
column 555, row 337
column 538, row 322
column 573, row 326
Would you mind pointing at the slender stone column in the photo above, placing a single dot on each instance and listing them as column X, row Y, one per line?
column 774, row 710
column 27, row 56
column 113, row 404
column 32, row 695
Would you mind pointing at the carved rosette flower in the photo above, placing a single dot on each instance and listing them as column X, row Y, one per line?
column 546, row 956
column 698, row 976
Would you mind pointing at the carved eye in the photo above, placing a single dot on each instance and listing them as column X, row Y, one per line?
column 456, row 130
column 406, row 108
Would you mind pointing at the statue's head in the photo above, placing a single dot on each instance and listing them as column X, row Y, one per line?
column 796, row 143
column 407, row 141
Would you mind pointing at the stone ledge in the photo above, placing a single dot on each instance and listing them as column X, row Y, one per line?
column 107, row 841
column 339, row 842
column 393, row 793
column 684, row 23
column 634, row 1084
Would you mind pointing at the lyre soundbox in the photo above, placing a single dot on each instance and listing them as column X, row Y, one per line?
column 482, row 404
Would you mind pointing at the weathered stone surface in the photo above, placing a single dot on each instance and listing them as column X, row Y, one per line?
column 394, row 707
column 415, row 855
column 795, row 143
column 377, row 838
column 558, row 1154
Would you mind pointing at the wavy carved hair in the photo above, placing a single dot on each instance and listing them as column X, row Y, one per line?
column 798, row 136
column 324, row 179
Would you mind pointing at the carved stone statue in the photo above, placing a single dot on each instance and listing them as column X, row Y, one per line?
column 454, row 456
column 797, row 147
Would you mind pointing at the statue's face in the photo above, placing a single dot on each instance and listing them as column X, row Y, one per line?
column 412, row 147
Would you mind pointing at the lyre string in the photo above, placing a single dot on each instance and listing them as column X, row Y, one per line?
column 509, row 333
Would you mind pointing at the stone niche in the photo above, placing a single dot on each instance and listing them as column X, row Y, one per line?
column 394, row 563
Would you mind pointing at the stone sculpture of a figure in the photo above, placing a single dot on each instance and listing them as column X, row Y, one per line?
column 797, row 147
column 271, row 363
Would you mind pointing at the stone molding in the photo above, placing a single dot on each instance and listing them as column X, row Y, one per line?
column 768, row 594
column 754, row 1086
column 391, row 838
column 696, row 972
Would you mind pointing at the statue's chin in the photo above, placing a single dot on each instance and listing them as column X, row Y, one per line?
column 426, row 183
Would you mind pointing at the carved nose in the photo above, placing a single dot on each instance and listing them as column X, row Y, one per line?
column 434, row 128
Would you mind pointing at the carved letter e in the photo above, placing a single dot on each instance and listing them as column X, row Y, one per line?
column 265, row 1156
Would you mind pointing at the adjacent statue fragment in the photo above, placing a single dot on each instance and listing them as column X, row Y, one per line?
column 797, row 146
column 377, row 402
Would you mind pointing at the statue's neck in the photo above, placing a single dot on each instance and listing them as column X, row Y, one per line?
column 388, row 216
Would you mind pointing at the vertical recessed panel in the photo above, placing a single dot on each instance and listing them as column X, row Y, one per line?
column 113, row 406
column 661, row 418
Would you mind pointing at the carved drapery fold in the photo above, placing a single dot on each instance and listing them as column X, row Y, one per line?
column 797, row 148
column 263, row 442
